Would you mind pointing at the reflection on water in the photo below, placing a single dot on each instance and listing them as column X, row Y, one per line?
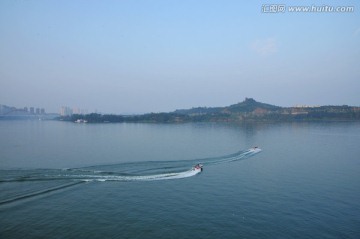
column 304, row 184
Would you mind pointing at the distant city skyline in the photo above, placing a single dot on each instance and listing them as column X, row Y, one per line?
column 127, row 57
column 7, row 109
column 63, row 110
column 66, row 110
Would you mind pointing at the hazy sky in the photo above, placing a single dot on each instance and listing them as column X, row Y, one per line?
column 132, row 56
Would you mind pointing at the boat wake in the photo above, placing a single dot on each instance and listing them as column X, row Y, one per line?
column 139, row 171
column 163, row 176
column 56, row 179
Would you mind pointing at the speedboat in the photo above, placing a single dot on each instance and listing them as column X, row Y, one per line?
column 198, row 167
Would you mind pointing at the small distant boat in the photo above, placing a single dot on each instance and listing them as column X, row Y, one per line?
column 80, row 121
column 255, row 149
column 198, row 167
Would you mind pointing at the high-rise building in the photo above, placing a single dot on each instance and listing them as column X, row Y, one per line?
column 79, row 111
column 76, row 111
column 32, row 110
column 65, row 111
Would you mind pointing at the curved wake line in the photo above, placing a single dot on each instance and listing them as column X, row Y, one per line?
column 119, row 172
column 14, row 199
column 233, row 157
column 164, row 176
column 125, row 172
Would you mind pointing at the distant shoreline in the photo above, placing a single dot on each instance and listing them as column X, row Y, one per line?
column 247, row 111
column 30, row 117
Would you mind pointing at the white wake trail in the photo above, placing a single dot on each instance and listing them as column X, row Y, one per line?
column 164, row 176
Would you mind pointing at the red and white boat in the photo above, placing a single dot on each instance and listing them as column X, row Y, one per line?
column 198, row 167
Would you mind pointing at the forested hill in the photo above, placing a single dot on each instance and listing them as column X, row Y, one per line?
column 248, row 110
column 247, row 106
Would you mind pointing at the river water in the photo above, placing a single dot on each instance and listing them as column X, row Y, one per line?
column 67, row 180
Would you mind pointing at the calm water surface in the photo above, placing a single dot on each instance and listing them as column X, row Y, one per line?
column 65, row 180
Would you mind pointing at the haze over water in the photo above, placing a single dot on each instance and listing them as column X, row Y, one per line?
column 128, row 180
column 157, row 56
column 303, row 184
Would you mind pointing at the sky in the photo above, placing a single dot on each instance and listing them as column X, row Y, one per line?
column 139, row 56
